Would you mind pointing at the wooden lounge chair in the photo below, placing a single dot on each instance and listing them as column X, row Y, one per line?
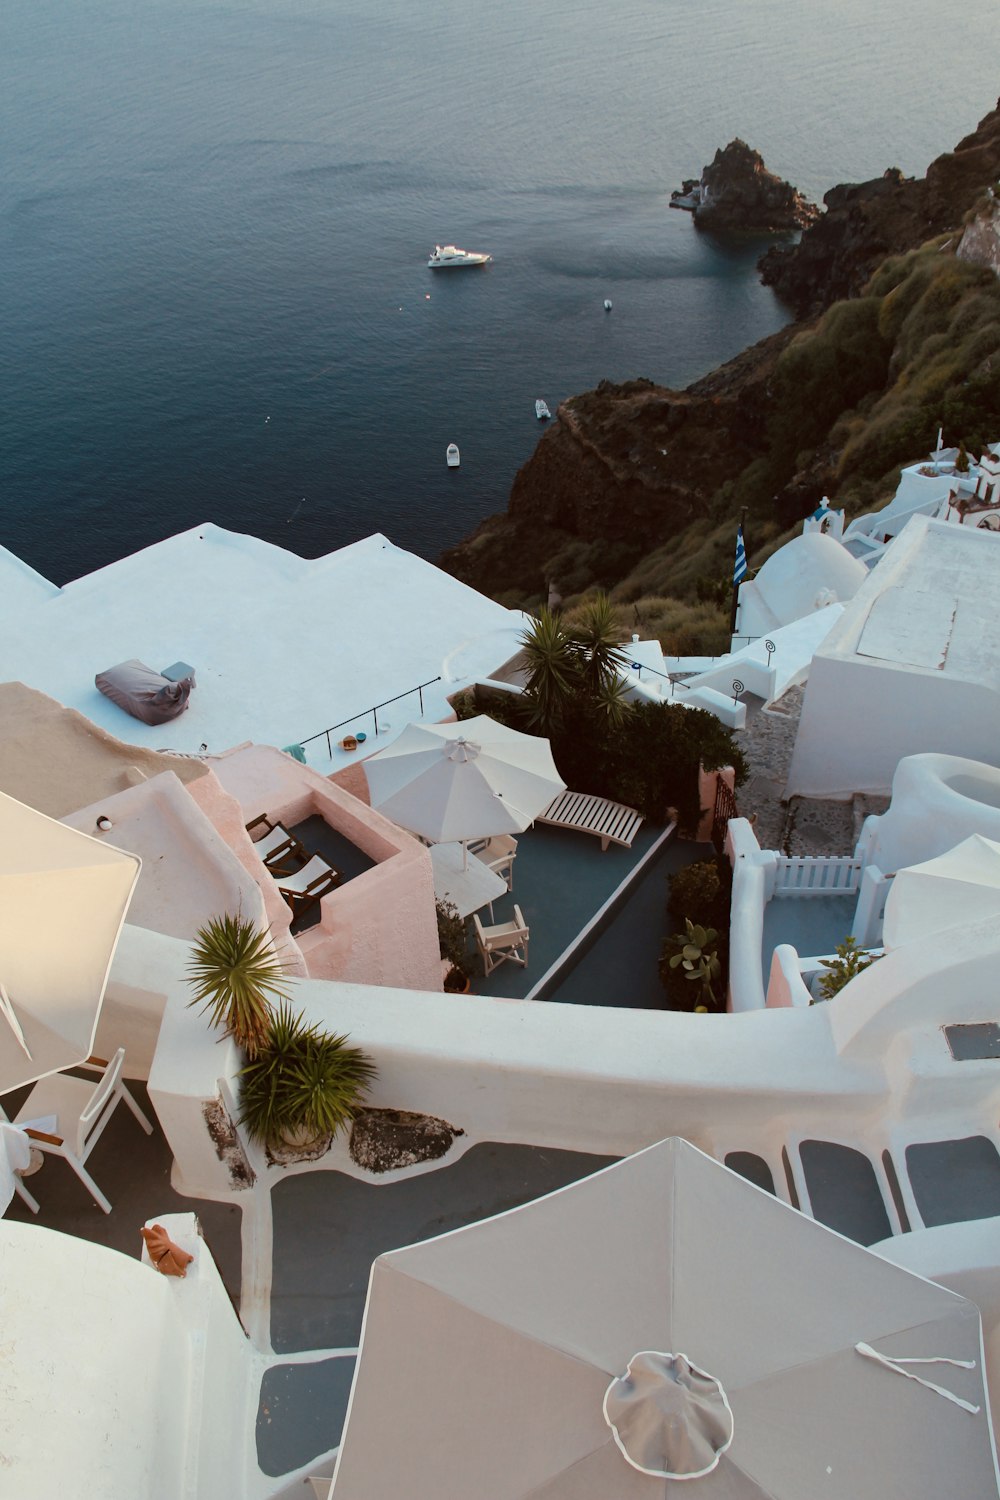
column 612, row 822
column 280, row 850
column 505, row 940
column 303, row 888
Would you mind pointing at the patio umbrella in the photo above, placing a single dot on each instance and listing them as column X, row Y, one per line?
column 662, row 1330
column 453, row 782
column 63, row 899
column 959, row 886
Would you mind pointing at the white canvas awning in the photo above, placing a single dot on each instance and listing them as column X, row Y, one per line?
column 960, row 886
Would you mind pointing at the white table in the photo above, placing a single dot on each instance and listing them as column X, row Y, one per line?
column 467, row 886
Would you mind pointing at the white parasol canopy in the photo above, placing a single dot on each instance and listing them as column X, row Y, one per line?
column 662, row 1330
column 452, row 782
column 63, row 899
column 960, row 886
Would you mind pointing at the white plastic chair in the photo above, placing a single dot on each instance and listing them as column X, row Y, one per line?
column 505, row 940
column 82, row 1112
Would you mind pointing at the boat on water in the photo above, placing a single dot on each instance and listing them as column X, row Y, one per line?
column 452, row 456
column 446, row 256
column 541, row 411
column 607, row 304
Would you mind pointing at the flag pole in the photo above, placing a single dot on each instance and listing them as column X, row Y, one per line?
column 739, row 572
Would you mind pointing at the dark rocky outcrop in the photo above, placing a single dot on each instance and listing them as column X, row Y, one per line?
column 738, row 193
column 865, row 222
column 384, row 1140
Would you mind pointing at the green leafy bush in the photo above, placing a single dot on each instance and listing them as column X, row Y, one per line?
column 690, row 969
column 850, row 961
column 451, row 934
column 703, row 892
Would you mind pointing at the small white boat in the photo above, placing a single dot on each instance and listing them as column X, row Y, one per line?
column 446, row 256
column 453, row 456
column 607, row 304
column 541, row 411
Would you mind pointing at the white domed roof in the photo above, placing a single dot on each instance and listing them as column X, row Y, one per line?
column 807, row 573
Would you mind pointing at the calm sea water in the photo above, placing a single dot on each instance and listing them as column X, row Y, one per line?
column 215, row 219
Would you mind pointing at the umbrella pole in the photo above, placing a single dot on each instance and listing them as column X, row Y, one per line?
column 465, row 854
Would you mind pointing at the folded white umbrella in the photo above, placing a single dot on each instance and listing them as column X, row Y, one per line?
column 662, row 1330
column 454, row 782
column 63, row 899
column 960, row 886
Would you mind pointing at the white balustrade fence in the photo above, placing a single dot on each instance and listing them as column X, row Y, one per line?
column 817, row 875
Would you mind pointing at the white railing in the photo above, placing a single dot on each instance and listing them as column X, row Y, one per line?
column 817, row 875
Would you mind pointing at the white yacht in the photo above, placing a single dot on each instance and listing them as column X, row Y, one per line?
column 452, row 456
column 541, row 411
column 450, row 255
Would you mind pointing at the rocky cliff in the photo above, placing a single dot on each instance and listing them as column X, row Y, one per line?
column 738, row 193
column 627, row 468
column 865, row 222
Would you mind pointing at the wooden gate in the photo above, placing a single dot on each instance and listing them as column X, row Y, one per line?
column 725, row 808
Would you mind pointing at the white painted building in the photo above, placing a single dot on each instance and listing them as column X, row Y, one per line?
column 913, row 665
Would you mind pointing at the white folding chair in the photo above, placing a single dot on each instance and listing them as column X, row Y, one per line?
column 279, row 849
column 498, row 855
column 505, row 940
column 306, row 886
column 81, row 1112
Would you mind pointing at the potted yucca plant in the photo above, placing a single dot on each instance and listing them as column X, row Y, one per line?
column 303, row 1085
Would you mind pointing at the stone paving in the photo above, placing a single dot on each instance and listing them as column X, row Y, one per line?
column 802, row 825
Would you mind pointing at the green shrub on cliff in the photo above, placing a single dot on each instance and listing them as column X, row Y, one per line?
column 823, row 372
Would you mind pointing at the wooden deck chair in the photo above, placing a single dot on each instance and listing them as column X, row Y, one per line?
column 82, row 1112
column 505, row 940
column 611, row 822
column 305, row 887
column 280, row 850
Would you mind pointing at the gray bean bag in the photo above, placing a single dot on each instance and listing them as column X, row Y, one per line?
column 143, row 693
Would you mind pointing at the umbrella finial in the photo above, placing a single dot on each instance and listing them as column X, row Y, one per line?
column 669, row 1418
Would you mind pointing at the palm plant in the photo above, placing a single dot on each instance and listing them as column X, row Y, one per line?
column 599, row 658
column 235, row 972
column 326, row 1086
column 263, row 1090
column 552, row 676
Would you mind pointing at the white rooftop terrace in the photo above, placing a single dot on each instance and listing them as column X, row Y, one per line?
column 282, row 646
column 912, row 665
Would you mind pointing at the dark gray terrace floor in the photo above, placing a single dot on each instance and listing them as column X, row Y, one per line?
column 812, row 924
column 328, row 1229
column 133, row 1169
column 561, row 880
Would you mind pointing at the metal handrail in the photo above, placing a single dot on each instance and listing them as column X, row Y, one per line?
column 638, row 667
column 366, row 711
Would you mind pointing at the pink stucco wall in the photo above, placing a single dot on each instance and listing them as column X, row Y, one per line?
column 379, row 928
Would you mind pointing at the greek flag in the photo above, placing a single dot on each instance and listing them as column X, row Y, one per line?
column 740, row 568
